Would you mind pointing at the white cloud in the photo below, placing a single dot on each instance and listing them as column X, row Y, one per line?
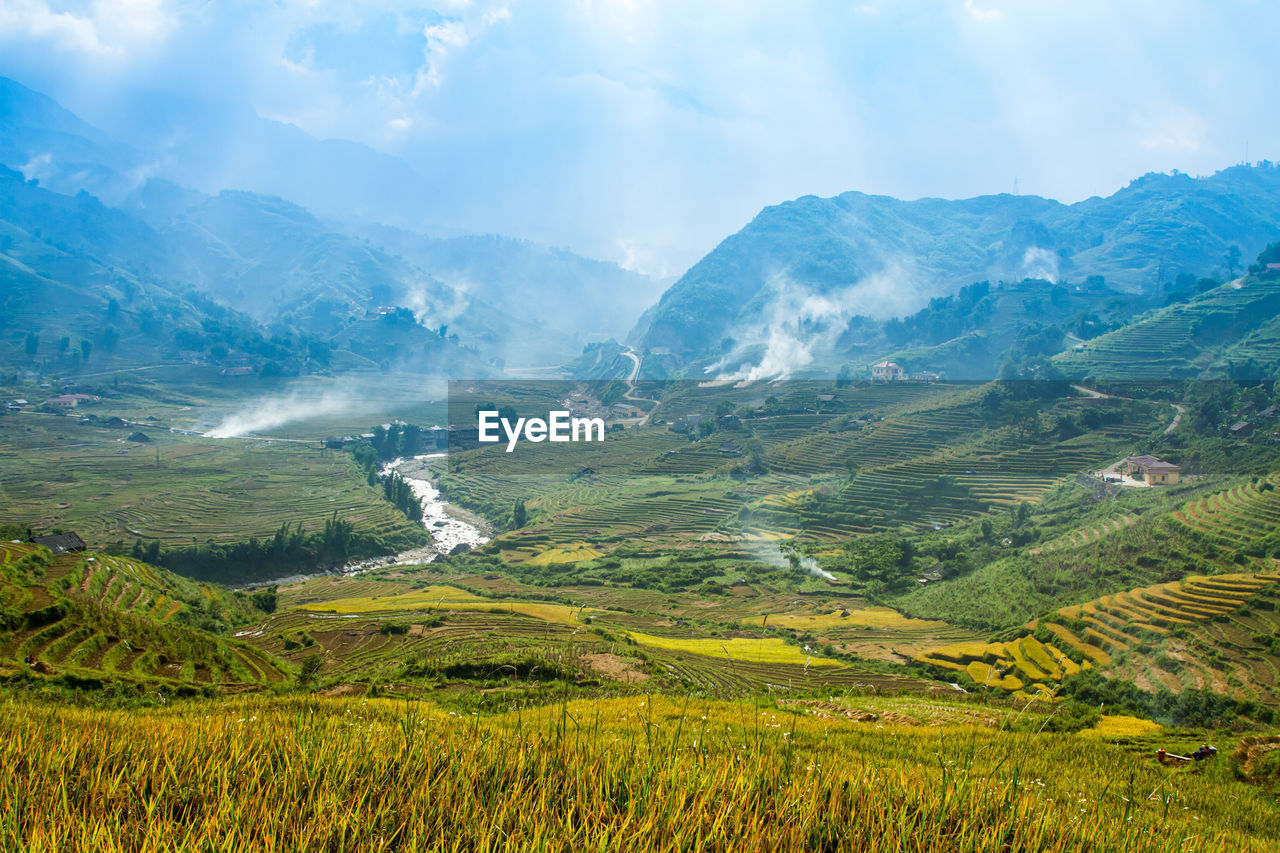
column 495, row 16
column 31, row 19
column 1172, row 129
column 105, row 28
column 647, row 131
column 986, row 16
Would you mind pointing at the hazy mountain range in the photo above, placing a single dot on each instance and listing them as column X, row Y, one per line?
column 783, row 292
column 301, row 245
column 331, row 251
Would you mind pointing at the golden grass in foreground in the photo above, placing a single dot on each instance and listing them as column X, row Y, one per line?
column 631, row 774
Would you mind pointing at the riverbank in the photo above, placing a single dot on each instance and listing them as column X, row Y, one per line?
column 452, row 528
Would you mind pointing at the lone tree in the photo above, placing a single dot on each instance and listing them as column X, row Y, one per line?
column 519, row 515
column 1232, row 260
column 310, row 668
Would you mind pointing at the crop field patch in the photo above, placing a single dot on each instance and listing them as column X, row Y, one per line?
column 447, row 598
column 763, row 650
column 179, row 489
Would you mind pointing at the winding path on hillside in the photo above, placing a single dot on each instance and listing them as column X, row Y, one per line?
column 631, row 382
column 1098, row 395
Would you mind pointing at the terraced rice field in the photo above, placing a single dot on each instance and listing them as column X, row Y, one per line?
column 1238, row 516
column 1178, row 341
column 763, row 650
column 575, row 553
column 178, row 489
column 120, row 620
column 356, row 646
column 1025, row 667
column 729, row 677
column 1085, row 536
column 877, row 633
column 656, row 485
column 1212, row 632
column 449, row 599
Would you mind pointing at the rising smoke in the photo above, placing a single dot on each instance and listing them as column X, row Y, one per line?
column 799, row 326
column 1040, row 263
column 779, row 557
column 304, row 403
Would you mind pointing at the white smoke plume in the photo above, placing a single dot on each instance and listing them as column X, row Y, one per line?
column 777, row 557
column 271, row 412
column 1040, row 263
column 799, row 325
column 433, row 306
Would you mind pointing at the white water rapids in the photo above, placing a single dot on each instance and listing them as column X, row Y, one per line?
column 449, row 527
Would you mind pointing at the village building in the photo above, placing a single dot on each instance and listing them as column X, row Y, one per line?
column 1155, row 472
column 933, row 574
column 1240, row 429
column 888, row 371
column 61, row 543
column 925, row 376
column 70, row 401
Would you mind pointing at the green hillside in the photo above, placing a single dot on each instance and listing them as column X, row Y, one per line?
column 1141, row 237
column 102, row 619
column 1228, row 332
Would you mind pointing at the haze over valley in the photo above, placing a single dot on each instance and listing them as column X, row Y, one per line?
column 638, row 425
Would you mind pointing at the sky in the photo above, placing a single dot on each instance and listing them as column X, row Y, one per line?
column 645, row 132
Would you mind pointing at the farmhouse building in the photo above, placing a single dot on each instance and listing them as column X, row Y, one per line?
column 887, row 371
column 1240, row 429
column 1155, row 472
column 936, row 572
column 70, row 401
column 60, row 543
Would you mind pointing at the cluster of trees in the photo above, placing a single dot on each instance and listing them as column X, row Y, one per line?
column 944, row 318
column 1197, row 708
column 292, row 550
column 393, row 442
column 878, row 565
column 397, row 490
column 1269, row 255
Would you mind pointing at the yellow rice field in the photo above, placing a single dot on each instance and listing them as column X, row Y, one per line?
column 764, row 650
column 635, row 774
column 450, row 598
